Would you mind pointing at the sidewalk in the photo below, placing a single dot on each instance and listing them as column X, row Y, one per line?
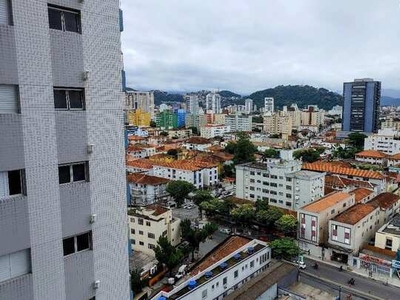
column 361, row 272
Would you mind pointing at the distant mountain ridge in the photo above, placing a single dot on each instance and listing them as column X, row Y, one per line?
column 389, row 101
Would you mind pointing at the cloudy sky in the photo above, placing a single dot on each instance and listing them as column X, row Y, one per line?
column 249, row 45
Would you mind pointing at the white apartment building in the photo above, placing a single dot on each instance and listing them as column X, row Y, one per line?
column 313, row 220
column 383, row 141
column 140, row 100
column 210, row 131
column 248, row 103
column 222, row 271
column 197, row 143
column 147, row 224
column 282, row 183
column 239, row 122
column 213, row 102
column 145, row 189
column 140, row 151
column 192, row 104
column 278, row 123
column 336, row 110
column 269, row 105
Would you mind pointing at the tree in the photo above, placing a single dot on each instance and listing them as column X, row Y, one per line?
column 257, row 119
column 307, row 155
column 164, row 133
column 167, row 254
column 153, row 124
column 270, row 153
column 356, row 140
column 261, row 204
column 173, row 152
column 243, row 214
column 286, row 224
column 225, row 207
column 230, row 147
column 179, row 190
column 137, row 283
column 285, row 248
column 202, row 196
column 269, row 216
column 244, row 150
column 228, row 170
column 194, row 130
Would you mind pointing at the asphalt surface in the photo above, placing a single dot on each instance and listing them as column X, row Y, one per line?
column 366, row 286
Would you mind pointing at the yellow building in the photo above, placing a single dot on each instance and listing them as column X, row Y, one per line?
column 138, row 117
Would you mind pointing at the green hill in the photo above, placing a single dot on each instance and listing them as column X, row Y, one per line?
column 303, row 95
column 161, row 97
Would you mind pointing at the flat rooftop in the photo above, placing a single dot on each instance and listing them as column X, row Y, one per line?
column 393, row 227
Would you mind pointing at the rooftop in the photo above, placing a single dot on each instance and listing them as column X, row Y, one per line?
column 329, row 168
column 140, row 164
column 361, row 193
column 342, row 182
column 393, row 226
column 385, row 200
column 371, row 153
column 146, row 179
column 355, row 213
column 326, row 202
column 198, row 140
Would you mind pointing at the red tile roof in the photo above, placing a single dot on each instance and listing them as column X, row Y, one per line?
column 355, row 213
column 158, row 209
column 371, row 153
column 326, row 202
column 198, row 140
column 395, row 156
column 140, row 164
column 361, row 193
column 384, row 200
column 337, row 181
column 146, row 179
column 327, row 167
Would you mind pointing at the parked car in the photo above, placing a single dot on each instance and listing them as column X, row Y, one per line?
column 301, row 264
column 181, row 271
column 225, row 230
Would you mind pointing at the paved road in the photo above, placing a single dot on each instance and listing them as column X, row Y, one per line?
column 363, row 284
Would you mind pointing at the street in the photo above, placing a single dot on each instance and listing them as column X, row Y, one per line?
column 364, row 285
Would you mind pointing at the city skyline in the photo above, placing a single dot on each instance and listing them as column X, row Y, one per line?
column 244, row 48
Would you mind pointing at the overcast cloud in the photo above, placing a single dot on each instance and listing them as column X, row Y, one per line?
column 248, row 45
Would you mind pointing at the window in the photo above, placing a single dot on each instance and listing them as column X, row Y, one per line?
column 204, row 294
column 389, row 244
column 288, row 187
column 12, row 183
column 132, row 241
column 151, row 246
column 225, row 280
column 252, row 264
column 236, row 274
column 9, row 102
column 140, row 232
column 141, row 243
column 289, row 196
column 77, row 243
column 133, row 231
column 148, row 223
column 72, row 173
column 151, row 235
column 15, row 264
column 69, row 99
column 64, row 19
column 140, row 221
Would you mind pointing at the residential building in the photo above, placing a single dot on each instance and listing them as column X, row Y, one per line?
column 140, row 100
column 391, row 123
column 62, row 193
column 192, row 104
column 180, row 118
column 167, row 120
column 197, row 143
column 238, row 122
column 361, row 105
column 269, row 105
column 213, row 102
column 336, row 182
column 388, row 204
column 383, row 141
column 138, row 118
column 313, row 220
column 145, row 189
column 280, row 182
column 351, row 229
column 312, row 116
column 226, row 268
column 163, row 107
column 336, row 110
column 279, row 123
column 248, row 103
column 140, row 151
column 388, row 236
column 147, row 224
column 210, row 131
column 295, row 114
column 373, row 157
column 219, row 118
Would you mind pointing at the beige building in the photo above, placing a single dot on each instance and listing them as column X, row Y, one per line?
column 219, row 118
column 140, row 100
column 391, row 123
column 313, row 220
column 148, row 224
column 388, row 236
column 279, row 123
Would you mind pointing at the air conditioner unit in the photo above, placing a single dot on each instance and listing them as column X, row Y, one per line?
column 225, row 286
column 85, row 75
column 93, row 218
column 96, row 284
column 90, row 148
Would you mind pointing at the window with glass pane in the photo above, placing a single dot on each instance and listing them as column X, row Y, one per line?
column 55, row 21
column 69, row 246
column 79, row 172
column 83, row 241
column 14, row 182
column 64, row 175
column 75, row 99
column 60, row 99
column 72, row 21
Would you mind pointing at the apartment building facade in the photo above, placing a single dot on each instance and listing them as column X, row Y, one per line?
column 145, row 189
column 238, row 122
column 62, row 191
column 147, row 224
column 210, row 131
column 140, row 100
column 278, row 123
column 280, row 182
column 383, row 141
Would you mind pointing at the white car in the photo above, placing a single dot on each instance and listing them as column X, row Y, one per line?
column 301, row 264
column 225, row 230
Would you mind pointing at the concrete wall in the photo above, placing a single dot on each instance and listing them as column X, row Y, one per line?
column 11, row 142
column 8, row 59
column 19, row 288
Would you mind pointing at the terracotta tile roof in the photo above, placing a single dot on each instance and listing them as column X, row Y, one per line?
column 146, row 179
column 336, row 163
column 326, row 167
column 326, row 202
column 361, row 193
column 158, row 209
column 355, row 213
column 229, row 246
column 337, row 181
column 225, row 156
column 214, row 148
column 371, row 153
column 384, row 200
column 198, row 140
column 140, row 164
column 135, row 138
column 395, row 156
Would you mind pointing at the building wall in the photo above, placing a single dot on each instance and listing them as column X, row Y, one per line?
column 381, row 237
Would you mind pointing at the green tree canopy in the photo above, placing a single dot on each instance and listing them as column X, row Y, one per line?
column 261, row 204
column 356, row 140
column 167, row 254
column 307, row 155
column 153, row 124
column 284, row 248
column 230, row 147
column 179, row 190
column 164, row 133
column 244, row 150
column 270, row 153
column 244, row 213
column 269, row 216
column 136, row 283
column 286, row 224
